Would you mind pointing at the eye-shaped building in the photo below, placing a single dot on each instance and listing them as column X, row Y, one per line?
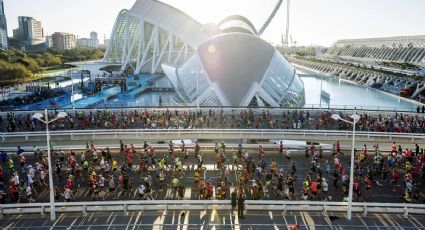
column 227, row 64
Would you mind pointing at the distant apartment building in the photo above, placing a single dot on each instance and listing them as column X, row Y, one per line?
column 3, row 27
column 92, row 42
column 105, row 42
column 64, row 41
column 49, row 41
column 30, row 33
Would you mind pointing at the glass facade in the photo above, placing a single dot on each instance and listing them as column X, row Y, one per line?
column 282, row 83
column 276, row 84
column 3, row 27
column 212, row 100
column 187, row 79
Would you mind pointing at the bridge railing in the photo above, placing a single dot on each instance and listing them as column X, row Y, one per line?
column 198, row 133
column 227, row 110
column 204, row 205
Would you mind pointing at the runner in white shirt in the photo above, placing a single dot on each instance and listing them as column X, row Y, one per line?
column 67, row 194
column 31, row 171
column 36, row 151
column 30, row 180
column 39, row 166
column 107, row 168
column 16, row 179
column 101, row 183
column 246, row 154
column 111, row 183
column 141, row 191
column 28, row 192
column 102, row 165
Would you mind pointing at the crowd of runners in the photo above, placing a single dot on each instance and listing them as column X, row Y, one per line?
column 146, row 173
column 214, row 118
column 35, row 97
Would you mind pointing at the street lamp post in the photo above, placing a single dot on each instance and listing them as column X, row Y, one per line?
column 355, row 118
column 72, row 90
column 46, row 121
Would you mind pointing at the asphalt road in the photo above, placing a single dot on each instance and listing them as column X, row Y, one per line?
column 376, row 194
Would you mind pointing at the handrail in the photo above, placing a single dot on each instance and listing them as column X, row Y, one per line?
column 283, row 132
column 135, row 205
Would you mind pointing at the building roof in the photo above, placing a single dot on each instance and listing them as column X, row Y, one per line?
column 417, row 41
column 171, row 19
column 238, row 21
column 235, row 61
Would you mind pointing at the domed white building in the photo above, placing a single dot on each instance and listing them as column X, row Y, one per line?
column 227, row 64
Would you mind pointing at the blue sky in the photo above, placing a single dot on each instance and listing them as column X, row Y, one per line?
column 313, row 22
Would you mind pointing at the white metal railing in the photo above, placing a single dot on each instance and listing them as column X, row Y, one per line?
column 199, row 133
column 251, row 205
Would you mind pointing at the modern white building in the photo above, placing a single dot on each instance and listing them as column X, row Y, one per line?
column 106, row 42
column 30, row 32
column 224, row 64
column 49, row 42
column 410, row 49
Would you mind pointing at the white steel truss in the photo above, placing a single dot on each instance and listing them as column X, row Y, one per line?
column 142, row 46
column 400, row 49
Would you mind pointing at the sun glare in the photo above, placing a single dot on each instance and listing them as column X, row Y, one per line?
column 211, row 48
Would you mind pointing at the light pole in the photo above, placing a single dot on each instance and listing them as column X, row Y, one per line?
column 197, row 85
column 72, row 90
column 46, row 121
column 355, row 118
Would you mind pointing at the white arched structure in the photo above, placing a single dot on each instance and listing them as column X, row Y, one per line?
column 152, row 32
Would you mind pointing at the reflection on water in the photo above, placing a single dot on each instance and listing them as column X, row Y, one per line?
column 347, row 94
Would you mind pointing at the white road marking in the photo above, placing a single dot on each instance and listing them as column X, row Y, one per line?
column 136, row 220
column 309, row 220
column 129, row 222
column 159, row 221
column 57, row 220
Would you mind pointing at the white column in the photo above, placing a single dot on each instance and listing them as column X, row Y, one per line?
column 49, row 158
column 350, row 192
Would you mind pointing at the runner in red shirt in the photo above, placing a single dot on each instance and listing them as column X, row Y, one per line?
column 394, row 179
column 338, row 146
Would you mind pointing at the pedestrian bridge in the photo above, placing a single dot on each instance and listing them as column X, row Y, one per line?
column 212, row 134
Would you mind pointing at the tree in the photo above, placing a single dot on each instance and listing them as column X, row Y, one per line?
column 18, row 71
column 52, row 60
column 16, row 64
column 5, row 55
column 12, row 72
